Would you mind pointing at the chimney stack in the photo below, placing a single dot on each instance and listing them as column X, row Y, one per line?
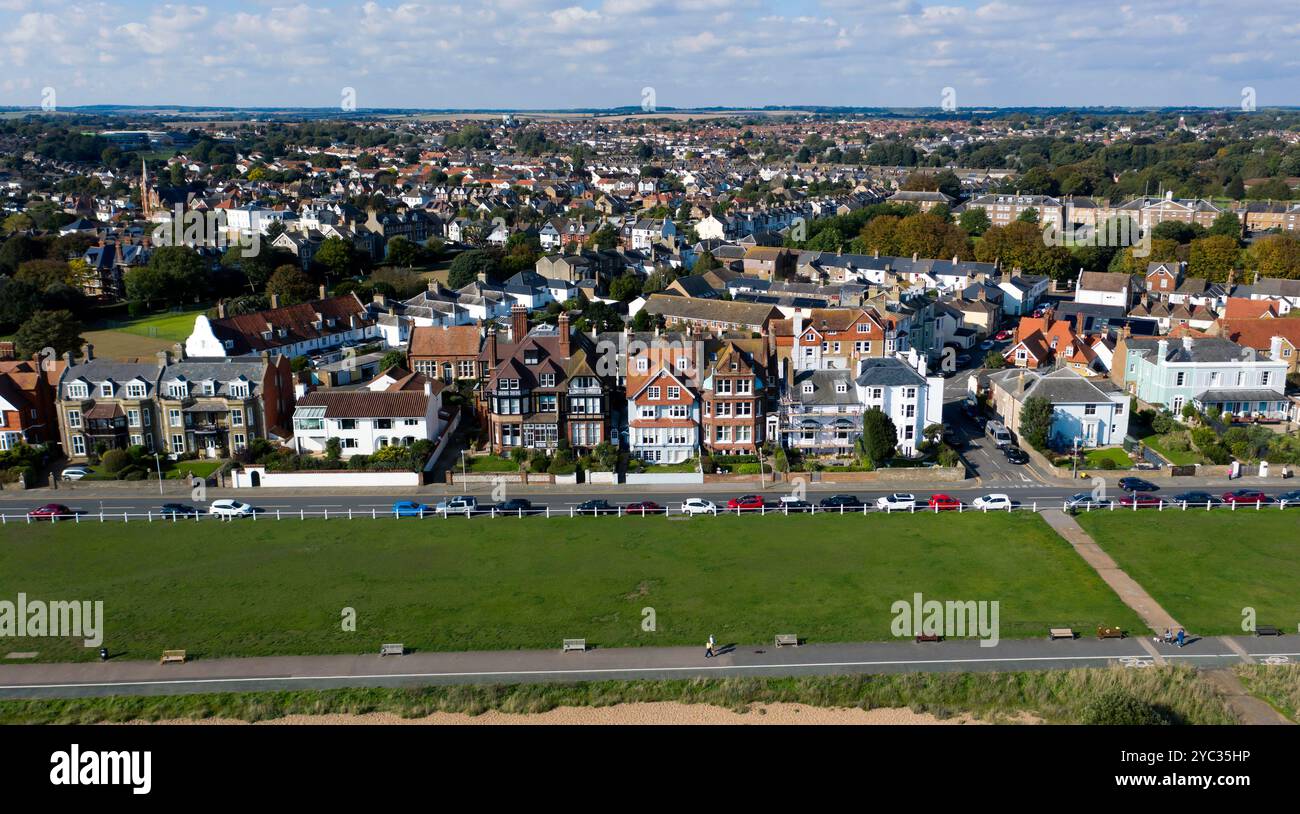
column 519, row 323
column 491, row 340
column 1162, row 350
column 564, row 334
column 179, row 348
column 221, row 309
column 164, row 359
column 1187, row 342
column 275, row 300
column 88, row 351
column 1275, row 347
column 322, row 291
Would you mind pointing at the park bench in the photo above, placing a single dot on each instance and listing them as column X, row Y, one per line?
column 783, row 639
column 1060, row 633
column 170, row 656
column 575, row 644
column 928, row 637
column 1110, row 633
column 395, row 649
column 1267, row 630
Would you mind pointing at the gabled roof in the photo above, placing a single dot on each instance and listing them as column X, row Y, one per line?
column 368, row 404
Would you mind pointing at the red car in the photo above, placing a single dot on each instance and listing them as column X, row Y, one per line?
column 1246, row 496
column 944, row 503
column 746, row 502
column 644, row 507
column 49, row 511
column 1002, row 336
column 1143, row 500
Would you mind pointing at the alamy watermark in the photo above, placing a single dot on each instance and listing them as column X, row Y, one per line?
column 951, row 619
column 37, row 618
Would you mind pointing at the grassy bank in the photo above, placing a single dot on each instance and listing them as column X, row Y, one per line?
column 1205, row 567
column 1279, row 685
column 1170, row 694
column 267, row 587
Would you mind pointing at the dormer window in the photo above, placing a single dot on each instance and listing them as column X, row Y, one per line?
column 77, row 390
column 841, row 387
column 531, row 357
column 239, row 390
column 178, row 390
column 135, row 390
column 106, row 390
column 548, row 380
column 808, row 388
column 209, row 388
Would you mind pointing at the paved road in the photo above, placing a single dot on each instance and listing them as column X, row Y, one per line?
column 532, row 666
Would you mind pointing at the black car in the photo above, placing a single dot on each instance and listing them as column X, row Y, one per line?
column 836, row 501
column 515, row 505
column 1016, row 455
column 1137, row 485
column 170, row 510
column 1291, row 498
column 595, row 506
column 1198, row 499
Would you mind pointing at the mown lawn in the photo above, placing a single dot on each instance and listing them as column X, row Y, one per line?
column 174, row 327
column 267, row 587
column 1205, row 567
column 1118, row 456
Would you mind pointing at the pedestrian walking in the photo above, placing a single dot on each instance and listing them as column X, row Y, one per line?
column 1182, row 637
column 708, row 648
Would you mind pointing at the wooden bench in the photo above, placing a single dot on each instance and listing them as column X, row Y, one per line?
column 783, row 639
column 1060, row 633
column 575, row 644
column 1267, row 630
column 392, row 650
column 172, row 656
column 928, row 637
column 1110, row 633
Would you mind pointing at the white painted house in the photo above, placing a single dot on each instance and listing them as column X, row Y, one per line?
column 365, row 421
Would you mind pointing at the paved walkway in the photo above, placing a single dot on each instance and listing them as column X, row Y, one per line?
column 116, row 677
column 1133, row 594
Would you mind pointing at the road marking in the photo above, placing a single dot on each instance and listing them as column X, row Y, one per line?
column 589, row 671
column 1275, row 660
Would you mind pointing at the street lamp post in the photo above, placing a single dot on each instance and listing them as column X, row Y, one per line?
column 158, row 463
column 1074, row 459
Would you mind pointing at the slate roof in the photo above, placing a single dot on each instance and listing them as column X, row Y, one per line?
column 887, row 372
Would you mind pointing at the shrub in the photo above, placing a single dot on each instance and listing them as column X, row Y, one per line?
column 1162, row 423
column 1106, row 463
column 136, row 474
column 115, row 460
column 708, row 465
column 1119, row 708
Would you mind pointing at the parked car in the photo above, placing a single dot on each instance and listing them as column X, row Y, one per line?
column 461, row 504
column 1132, row 484
column 177, row 510
column 998, row 432
column 517, row 505
column 987, row 344
column 698, row 505
column 942, row 503
column 1252, row 496
column 230, row 508
column 1197, row 499
column 963, row 359
column 76, row 472
column 50, row 511
column 644, row 507
column 897, row 501
column 790, row 503
column 992, row 502
column 410, row 508
column 836, row 501
column 1142, row 500
column 1002, row 336
column 1086, row 500
column 746, row 502
column 1016, row 455
column 1289, row 499
column 596, row 506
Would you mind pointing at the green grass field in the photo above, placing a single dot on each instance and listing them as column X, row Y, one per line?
column 1204, row 567
column 267, row 587
column 174, row 327
column 1121, row 459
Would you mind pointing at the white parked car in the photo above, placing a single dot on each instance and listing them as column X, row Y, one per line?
column 992, row 502
column 896, row 502
column 461, row 504
column 76, row 472
column 230, row 508
column 698, row 505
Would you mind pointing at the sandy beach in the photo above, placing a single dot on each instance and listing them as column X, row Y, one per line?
column 666, row 712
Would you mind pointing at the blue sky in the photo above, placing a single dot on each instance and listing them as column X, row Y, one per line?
column 575, row 53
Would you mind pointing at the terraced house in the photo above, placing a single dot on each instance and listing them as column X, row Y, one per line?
column 216, row 406
column 734, row 393
column 544, row 386
column 106, row 404
column 663, row 399
column 1204, row 372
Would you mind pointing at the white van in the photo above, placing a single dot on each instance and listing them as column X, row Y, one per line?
column 999, row 434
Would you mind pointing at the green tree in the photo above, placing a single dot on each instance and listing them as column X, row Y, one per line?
column 1036, row 421
column 174, row 274
column 879, row 437
column 467, row 266
column 402, row 252
column 625, row 287
column 338, row 257
column 59, row 330
column 394, row 358
column 975, row 221
column 290, row 285
column 1213, row 257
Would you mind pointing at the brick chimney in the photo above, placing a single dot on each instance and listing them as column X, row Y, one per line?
column 564, row 335
column 221, row 309
column 179, row 351
column 492, row 346
column 322, row 291
column 275, row 300
column 88, row 351
column 519, row 323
